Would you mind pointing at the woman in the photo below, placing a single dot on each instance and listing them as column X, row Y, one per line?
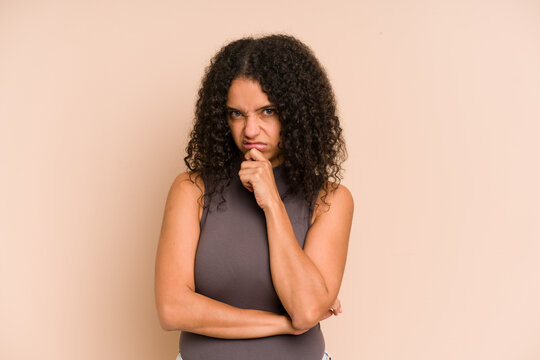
column 254, row 239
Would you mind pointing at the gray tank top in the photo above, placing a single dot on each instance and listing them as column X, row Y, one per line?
column 232, row 265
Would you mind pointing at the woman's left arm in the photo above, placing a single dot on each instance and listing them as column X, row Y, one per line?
column 307, row 281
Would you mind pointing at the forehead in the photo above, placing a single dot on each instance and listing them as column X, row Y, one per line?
column 246, row 94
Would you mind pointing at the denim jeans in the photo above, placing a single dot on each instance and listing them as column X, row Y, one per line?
column 326, row 356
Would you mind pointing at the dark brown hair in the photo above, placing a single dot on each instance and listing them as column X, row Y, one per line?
column 296, row 83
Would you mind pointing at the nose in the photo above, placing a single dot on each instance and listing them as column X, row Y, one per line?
column 252, row 126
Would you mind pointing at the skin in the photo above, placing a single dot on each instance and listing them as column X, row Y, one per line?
column 253, row 118
column 306, row 280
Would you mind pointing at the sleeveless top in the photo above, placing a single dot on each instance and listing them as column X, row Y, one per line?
column 232, row 265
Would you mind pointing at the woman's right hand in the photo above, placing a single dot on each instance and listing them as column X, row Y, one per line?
column 334, row 310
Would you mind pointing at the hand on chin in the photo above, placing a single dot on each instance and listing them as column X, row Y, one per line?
column 257, row 175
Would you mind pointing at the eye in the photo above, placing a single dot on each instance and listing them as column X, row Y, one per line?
column 235, row 113
column 269, row 112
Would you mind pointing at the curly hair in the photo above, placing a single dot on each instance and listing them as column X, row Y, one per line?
column 295, row 82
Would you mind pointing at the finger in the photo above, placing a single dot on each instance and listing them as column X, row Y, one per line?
column 332, row 311
column 245, row 179
column 249, row 175
column 250, row 164
column 247, row 185
column 253, row 171
column 255, row 154
column 326, row 315
column 248, row 155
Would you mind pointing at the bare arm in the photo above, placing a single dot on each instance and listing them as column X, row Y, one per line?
column 179, row 307
column 202, row 315
column 308, row 280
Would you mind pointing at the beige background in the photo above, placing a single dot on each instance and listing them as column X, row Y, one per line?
column 439, row 101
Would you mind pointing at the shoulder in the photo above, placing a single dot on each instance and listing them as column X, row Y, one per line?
column 333, row 198
column 188, row 181
column 187, row 189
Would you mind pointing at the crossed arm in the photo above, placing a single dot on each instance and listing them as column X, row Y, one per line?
column 180, row 308
column 307, row 281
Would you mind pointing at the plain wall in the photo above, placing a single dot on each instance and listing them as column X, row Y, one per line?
column 439, row 102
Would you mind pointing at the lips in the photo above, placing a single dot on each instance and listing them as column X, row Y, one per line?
column 256, row 145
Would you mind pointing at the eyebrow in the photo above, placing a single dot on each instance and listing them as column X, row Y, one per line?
column 261, row 108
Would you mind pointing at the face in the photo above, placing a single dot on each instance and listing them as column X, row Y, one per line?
column 253, row 119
